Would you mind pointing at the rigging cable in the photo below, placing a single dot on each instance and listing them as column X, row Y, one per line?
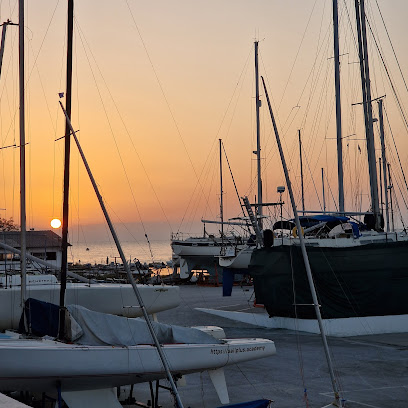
column 235, row 186
column 389, row 77
column 110, row 127
column 239, row 82
column 392, row 46
column 399, row 210
column 298, row 342
column 120, row 117
column 297, row 54
column 167, row 102
column 396, row 150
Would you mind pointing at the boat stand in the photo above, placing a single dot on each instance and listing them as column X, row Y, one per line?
column 154, row 395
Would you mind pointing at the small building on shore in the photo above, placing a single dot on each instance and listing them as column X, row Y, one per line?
column 45, row 245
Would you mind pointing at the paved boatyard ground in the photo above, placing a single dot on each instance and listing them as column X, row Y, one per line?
column 372, row 370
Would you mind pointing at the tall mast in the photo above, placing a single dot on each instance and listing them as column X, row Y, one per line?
column 381, row 187
column 324, row 198
column 384, row 161
column 368, row 114
column 338, row 104
column 301, row 172
column 258, row 136
column 390, row 187
column 65, row 206
column 22, row 151
column 221, row 193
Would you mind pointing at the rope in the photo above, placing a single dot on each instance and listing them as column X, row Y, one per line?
column 233, row 180
column 111, row 129
column 167, row 103
column 392, row 46
column 396, row 150
column 298, row 343
column 389, row 77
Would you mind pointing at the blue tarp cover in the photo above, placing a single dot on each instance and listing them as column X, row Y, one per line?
column 39, row 318
column 328, row 218
column 262, row 403
column 313, row 219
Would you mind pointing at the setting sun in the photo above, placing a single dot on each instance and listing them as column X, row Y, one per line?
column 55, row 223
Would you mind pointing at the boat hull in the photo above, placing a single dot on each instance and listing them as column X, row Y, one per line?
column 354, row 281
column 199, row 248
column 203, row 254
column 240, row 261
column 122, row 299
column 39, row 365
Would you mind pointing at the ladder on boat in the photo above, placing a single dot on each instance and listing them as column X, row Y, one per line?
column 254, row 221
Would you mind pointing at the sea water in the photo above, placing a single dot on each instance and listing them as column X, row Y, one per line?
column 106, row 252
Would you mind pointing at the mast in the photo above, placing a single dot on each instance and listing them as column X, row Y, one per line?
column 338, row 402
column 22, row 151
column 368, row 114
column 381, row 187
column 221, row 193
column 324, row 199
column 338, row 105
column 126, row 266
column 65, row 206
column 3, row 39
column 258, row 136
column 390, row 187
column 384, row 161
column 301, row 172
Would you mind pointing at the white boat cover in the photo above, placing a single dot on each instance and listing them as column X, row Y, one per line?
column 101, row 329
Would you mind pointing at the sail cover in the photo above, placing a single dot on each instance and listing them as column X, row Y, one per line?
column 104, row 329
column 39, row 318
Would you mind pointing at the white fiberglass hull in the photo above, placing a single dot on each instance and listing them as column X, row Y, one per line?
column 106, row 298
column 239, row 261
column 203, row 246
column 39, row 365
column 181, row 249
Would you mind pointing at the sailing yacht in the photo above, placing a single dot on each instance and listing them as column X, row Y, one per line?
column 197, row 253
column 97, row 359
column 360, row 270
column 236, row 259
column 202, row 253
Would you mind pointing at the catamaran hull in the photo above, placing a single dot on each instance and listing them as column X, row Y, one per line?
column 354, row 281
column 43, row 365
column 106, row 298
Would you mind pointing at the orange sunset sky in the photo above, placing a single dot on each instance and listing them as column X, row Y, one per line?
column 157, row 83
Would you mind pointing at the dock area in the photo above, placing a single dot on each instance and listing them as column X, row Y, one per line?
column 372, row 370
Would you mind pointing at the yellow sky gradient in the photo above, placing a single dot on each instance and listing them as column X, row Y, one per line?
column 196, row 86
